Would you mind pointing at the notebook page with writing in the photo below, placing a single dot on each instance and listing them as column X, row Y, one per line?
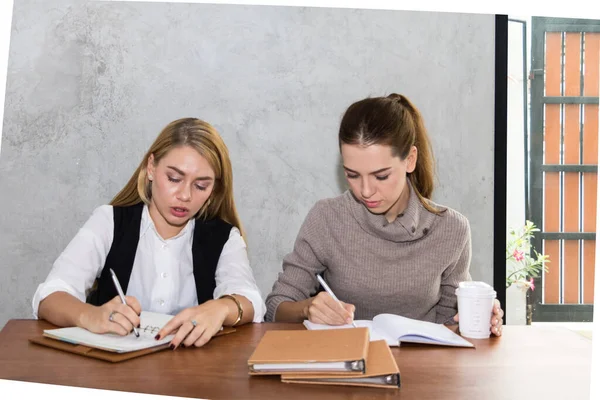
column 150, row 324
column 402, row 329
column 373, row 334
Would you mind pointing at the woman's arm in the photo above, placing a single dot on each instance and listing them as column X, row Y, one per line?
column 234, row 277
column 63, row 309
column 292, row 298
column 457, row 272
column 61, row 298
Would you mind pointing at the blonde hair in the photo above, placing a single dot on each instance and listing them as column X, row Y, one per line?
column 204, row 138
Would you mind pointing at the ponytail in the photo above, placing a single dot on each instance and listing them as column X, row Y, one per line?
column 393, row 121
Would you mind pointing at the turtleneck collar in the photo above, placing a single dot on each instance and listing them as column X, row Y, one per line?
column 412, row 224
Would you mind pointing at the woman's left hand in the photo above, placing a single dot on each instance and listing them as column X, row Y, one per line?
column 195, row 326
column 496, row 321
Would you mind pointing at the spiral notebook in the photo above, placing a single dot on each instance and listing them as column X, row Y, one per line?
column 113, row 347
column 150, row 324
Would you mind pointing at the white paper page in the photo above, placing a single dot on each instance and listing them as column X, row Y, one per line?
column 373, row 334
column 150, row 323
column 415, row 331
column 316, row 366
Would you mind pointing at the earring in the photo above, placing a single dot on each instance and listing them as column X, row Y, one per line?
column 150, row 178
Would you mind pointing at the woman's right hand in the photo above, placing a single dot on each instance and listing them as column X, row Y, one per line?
column 323, row 309
column 124, row 317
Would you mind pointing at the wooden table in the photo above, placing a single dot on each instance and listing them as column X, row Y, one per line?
column 525, row 363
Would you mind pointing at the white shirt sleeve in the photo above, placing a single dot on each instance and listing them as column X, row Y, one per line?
column 234, row 275
column 75, row 270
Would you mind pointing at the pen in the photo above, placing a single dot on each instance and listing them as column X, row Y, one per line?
column 328, row 290
column 121, row 295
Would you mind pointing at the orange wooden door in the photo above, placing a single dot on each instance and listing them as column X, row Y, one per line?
column 563, row 158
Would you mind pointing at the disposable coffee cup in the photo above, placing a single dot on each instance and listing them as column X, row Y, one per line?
column 475, row 306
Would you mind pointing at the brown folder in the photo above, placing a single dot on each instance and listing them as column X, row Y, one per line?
column 381, row 371
column 339, row 351
column 105, row 355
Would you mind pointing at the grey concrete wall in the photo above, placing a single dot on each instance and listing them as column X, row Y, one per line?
column 90, row 85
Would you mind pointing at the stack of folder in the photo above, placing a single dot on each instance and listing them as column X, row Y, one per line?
column 329, row 357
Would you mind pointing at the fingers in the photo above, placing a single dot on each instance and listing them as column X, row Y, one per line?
column 194, row 336
column 455, row 318
column 189, row 335
column 318, row 316
column 333, row 305
column 500, row 314
column 325, row 309
column 171, row 326
column 134, row 304
column 327, row 313
column 338, row 311
column 185, row 329
column 349, row 307
column 204, row 338
column 127, row 312
column 497, row 330
column 496, row 322
column 119, row 324
column 131, row 310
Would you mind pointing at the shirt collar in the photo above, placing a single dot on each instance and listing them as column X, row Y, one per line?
column 147, row 223
column 412, row 224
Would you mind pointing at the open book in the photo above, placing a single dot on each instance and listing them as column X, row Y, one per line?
column 395, row 329
column 150, row 324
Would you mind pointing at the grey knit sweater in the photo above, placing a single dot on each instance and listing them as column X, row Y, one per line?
column 409, row 267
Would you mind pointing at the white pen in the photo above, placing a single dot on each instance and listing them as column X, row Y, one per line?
column 121, row 295
column 328, row 290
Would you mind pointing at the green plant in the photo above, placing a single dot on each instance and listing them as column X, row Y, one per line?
column 519, row 262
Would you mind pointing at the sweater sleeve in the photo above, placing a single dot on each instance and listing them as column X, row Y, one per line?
column 447, row 306
column 298, row 279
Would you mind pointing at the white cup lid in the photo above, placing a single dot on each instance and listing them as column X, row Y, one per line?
column 475, row 288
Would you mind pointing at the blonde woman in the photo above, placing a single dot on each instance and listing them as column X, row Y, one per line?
column 174, row 239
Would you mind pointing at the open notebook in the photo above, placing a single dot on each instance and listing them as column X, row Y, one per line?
column 111, row 347
column 150, row 324
column 395, row 329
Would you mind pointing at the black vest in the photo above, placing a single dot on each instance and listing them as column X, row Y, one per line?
column 209, row 238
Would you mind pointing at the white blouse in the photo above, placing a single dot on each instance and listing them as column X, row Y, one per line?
column 162, row 278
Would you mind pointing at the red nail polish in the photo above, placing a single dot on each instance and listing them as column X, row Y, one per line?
column 172, row 347
column 157, row 337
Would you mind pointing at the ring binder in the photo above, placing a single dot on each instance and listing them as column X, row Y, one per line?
column 358, row 365
column 381, row 371
column 342, row 351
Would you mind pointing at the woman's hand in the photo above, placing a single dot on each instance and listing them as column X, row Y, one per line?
column 113, row 316
column 195, row 326
column 323, row 309
column 496, row 320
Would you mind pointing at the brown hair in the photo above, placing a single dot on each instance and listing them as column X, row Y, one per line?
column 202, row 137
column 396, row 122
